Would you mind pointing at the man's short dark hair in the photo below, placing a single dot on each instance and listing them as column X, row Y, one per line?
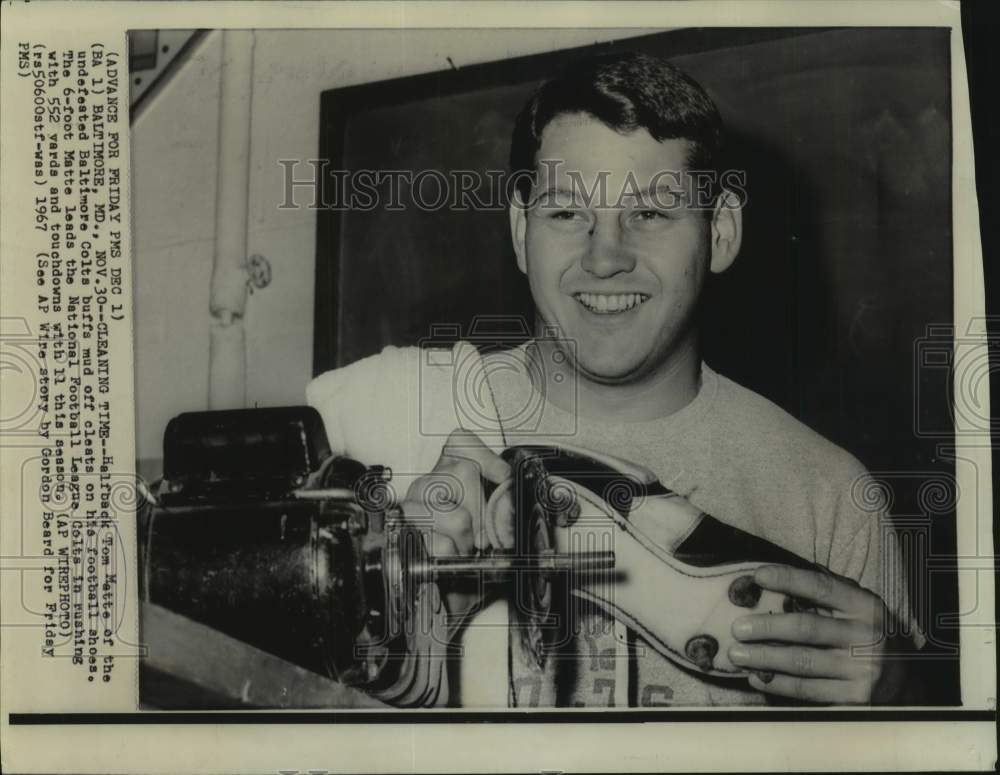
column 626, row 92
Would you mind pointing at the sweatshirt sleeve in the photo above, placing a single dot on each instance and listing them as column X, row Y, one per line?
column 348, row 399
column 867, row 549
column 396, row 408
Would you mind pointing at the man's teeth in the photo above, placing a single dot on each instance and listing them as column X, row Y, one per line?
column 610, row 302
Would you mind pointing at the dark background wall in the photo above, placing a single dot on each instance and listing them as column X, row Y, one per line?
column 845, row 136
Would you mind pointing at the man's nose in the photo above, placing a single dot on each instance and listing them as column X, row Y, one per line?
column 606, row 253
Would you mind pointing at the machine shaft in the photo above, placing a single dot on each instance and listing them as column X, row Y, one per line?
column 502, row 567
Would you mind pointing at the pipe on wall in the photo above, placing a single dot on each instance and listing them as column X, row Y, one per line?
column 227, row 350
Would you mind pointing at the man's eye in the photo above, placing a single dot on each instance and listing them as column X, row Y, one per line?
column 565, row 215
column 648, row 218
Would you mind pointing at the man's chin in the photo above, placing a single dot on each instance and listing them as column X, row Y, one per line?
column 609, row 372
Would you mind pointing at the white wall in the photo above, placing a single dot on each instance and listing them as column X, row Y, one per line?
column 174, row 146
column 173, row 229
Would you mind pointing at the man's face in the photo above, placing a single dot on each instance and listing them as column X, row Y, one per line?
column 619, row 278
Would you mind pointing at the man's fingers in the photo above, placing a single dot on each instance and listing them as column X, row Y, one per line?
column 796, row 660
column 451, row 497
column 467, row 458
column 831, row 691
column 466, row 445
column 442, row 546
column 441, row 491
column 804, row 628
column 823, row 588
column 453, row 526
column 499, row 520
column 457, row 525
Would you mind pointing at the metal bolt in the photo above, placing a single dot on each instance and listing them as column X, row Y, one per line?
column 744, row 592
column 701, row 649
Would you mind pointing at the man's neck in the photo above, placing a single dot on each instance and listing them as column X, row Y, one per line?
column 661, row 394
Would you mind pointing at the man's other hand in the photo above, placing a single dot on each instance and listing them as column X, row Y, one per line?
column 449, row 503
column 837, row 659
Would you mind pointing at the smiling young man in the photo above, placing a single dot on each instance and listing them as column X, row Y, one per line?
column 616, row 236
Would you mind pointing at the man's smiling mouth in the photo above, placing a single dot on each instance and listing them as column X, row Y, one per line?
column 610, row 303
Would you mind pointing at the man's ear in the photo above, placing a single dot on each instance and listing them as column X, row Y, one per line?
column 518, row 227
column 727, row 230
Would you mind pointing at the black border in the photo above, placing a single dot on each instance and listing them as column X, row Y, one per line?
column 336, row 106
column 496, row 717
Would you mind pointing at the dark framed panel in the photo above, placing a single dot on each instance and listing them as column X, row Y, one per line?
column 845, row 138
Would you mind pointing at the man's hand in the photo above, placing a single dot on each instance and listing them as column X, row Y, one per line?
column 809, row 655
column 450, row 502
